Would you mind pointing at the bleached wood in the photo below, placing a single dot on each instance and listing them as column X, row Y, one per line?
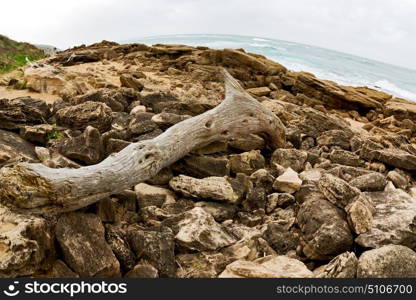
column 36, row 188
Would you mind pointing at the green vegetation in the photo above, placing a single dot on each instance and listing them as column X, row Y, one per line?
column 54, row 135
column 15, row 54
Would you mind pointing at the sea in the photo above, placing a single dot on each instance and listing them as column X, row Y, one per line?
column 343, row 68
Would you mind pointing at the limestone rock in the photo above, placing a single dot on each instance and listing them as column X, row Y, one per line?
column 129, row 81
column 399, row 180
column 391, row 261
column 393, row 220
column 343, row 266
column 343, row 157
column 165, row 119
column 395, row 157
column 59, row 270
column 197, row 230
column 246, row 162
column 288, row 182
column 148, row 195
column 324, row 229
column 372, row 182
column 117, row 239
column 360, row 214
column 214, row 188
column 37, row 134
column 267, row 267
column 85, row 250
column 87, row 147
column 205, row 166
column 14, row 148
column 86, row 114
column 26, row 244
column 143, row 270
column 336, row 190
column 290, row 158
column 335, row 138
column 22, row 111
column 260, row 91
column 220, row 211
column 247, row 142
column 155, row 245
column 200, row 265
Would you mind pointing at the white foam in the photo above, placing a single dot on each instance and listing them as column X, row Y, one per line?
column 387, row 86
column 260, row 40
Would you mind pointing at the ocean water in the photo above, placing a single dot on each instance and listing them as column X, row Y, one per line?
column 340, row 67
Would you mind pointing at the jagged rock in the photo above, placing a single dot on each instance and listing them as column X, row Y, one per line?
column 290, row 158
column 115, row 145
column 26, row 244
column 141, row 123
column 37, row 134
column 324, row 229
column 260, row 91
column 343, row 266
column 117, row 240
column 280, row 239
column 259, row 187
column 205, row 166
column 391, row 261
column 399, row 180
column 14, row 148
column 335, row 138
column 220, row 211
column 314, row 122
column 312, row 175
column 246, row 162
column 343, row 157
column 148, row 195
column 393, row 220
column 53, row 159
column 360, row 214
column 347, row 173
column 267, row 267
column 95, row 114
column 165, row 119
column 288, row 182
column 22, row 111
column 197, row 230
column 200, row 265
column 372, row 182
column 87, row 147
column 111, row 210
column 394, row 157
column 247, row 143
column 156, row 245
column 143, row 270
column 161, row 178
column 336, row 190
column 129, row 81
column 85, row 250
column 279, row 199
column 308, row 191
column 214, row 188
column 59, row 270
column 118, row 100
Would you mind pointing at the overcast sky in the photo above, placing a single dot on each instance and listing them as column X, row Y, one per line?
column 379, row 29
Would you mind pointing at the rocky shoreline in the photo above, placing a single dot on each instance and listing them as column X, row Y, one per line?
column 339, row 200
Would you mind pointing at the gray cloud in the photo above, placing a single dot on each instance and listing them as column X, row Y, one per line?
column 380, row 29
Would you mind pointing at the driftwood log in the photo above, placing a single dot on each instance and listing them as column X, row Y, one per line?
column 35, row 188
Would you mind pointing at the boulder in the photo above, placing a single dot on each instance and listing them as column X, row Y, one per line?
column 14, row 148
column 372, row 182
column 18, row 112
column 324, row 228
column 39, row 134
column 390, row 261
column 26, row 245
column 260, row 91
column 336, row 190
column 165, row 119
column 335, row 138
column 360, row 214
column 267, row 267
column 148, row 195
column 220, row 211
column 59, row 270
column 343, row 266
column 398, row 178
column 247, row 162
column 288, row 182
column 395, row 157
column 95, row 114
column 197, row 230
column 393, row 220
column 117, row 239
column 85, row 250
column 280, row 238
column 290, row 158
column 247, row 142
column 259, row 186
column 53, row 159
column 87, row 147
column 155, row 245
column 347, row 158
column 214, row 188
